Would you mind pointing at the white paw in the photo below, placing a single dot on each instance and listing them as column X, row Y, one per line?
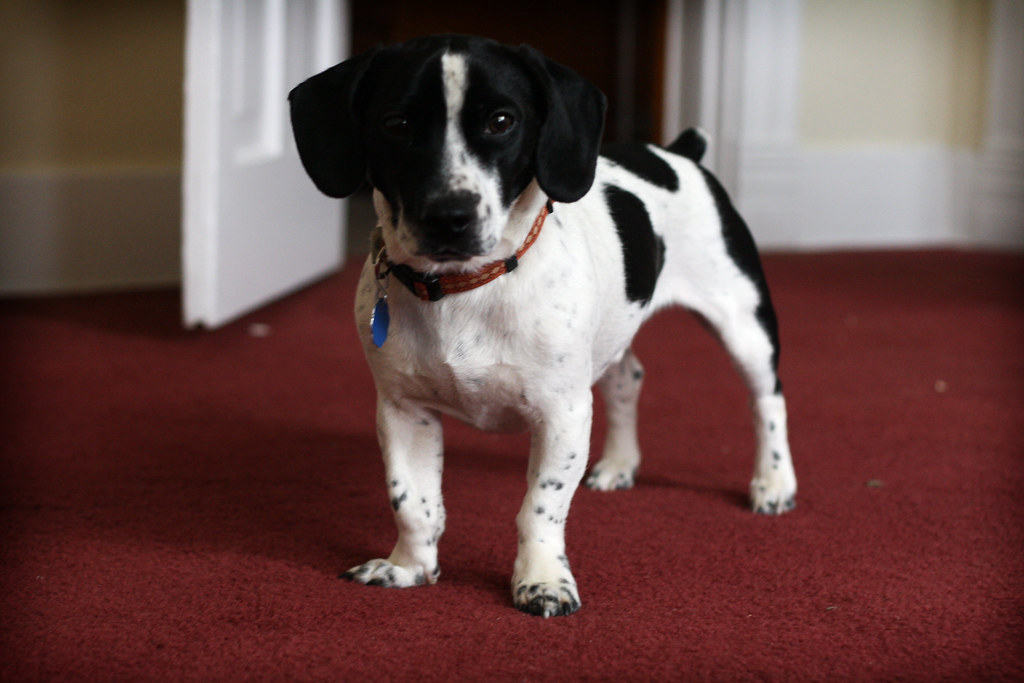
column 547, row 600
column 772, row 496
column 611, row 476
column 553, row 595
column 384, row 573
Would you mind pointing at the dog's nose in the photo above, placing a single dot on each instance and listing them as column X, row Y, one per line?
column 450, row 216
column 448, row 222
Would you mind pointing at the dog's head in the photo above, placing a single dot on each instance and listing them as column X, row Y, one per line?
column 450, row 131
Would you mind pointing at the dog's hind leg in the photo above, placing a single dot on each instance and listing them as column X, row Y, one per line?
column 773, row 486
column 738, row 307
column 620, row 387
column 748, row 334
column 411, row 442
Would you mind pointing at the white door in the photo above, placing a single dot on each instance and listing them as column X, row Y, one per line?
column 254, row 228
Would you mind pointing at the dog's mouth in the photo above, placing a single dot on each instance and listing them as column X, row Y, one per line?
column 447, row 255
column 439, row 248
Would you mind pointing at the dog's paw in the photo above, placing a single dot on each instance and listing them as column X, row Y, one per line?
column 608, row 477
column 771, row 498
column 384, row 573
column 547, row 588
column 547, row 599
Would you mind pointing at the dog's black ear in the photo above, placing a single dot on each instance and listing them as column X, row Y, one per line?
column 570, row 136
column 325, row 127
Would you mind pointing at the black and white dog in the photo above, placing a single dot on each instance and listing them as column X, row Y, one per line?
column 513, row 263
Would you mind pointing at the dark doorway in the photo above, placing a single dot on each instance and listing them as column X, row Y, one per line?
column 617, row 44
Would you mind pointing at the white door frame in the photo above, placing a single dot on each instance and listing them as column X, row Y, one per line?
column 998, row 215
column 733, row 68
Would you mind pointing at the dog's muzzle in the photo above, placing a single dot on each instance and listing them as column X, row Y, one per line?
column 448, row 227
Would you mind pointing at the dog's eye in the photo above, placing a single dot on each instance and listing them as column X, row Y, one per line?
column 500, row 123
column 395, row 125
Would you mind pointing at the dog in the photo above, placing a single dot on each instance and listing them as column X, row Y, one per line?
column 513, row 261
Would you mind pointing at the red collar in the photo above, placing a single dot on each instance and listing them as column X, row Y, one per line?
column 434, row 287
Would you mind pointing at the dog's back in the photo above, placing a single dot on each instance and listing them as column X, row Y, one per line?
column 683, row 232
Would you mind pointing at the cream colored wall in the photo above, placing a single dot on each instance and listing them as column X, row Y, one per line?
column 90, row 144
column 91, row 83
column 894, row 72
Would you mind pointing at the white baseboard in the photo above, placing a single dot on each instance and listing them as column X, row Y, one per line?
column 998, row 216
column 884, row 197
column 878, row 197
column 767, row 176
column 94, row 229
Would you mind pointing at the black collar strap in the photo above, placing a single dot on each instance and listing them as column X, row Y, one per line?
column 434, row 287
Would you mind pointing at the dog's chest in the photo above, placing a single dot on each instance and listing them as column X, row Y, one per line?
column 490, row 398
column 462, row 365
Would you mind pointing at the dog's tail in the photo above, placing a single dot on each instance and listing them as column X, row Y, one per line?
column 692, row 144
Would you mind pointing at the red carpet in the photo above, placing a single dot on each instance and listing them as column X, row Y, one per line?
column 176, row 506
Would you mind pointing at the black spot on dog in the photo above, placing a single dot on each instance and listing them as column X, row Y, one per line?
column 741, row 248
column 539, row 510
column 641, row 161
column 643, row 251
column 397, row 501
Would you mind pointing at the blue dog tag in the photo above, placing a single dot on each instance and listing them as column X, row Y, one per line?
column 379, row 321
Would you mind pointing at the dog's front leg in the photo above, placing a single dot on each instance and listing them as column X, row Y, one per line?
column 411, row 442
column 543, row 583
